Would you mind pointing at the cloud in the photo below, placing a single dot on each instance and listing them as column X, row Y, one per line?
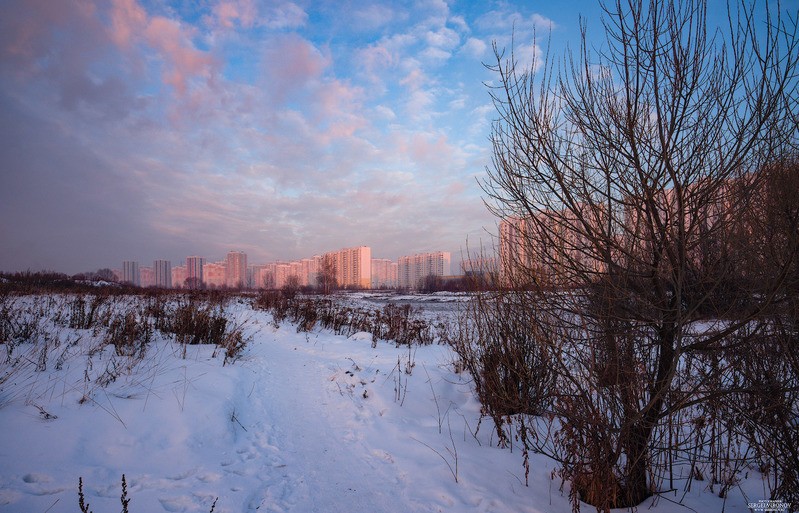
column 372, row 62
column 290, row 64
column 183, row 59
column 64, row 53
column 385, row 112
column 373, row 16
column 505, row 20
column 444, row 37
column 436, row 55
column 170, row 39
column 460, row 23
column 475, row 47
column 128, row 140
column 285, row 15
column 128, row 19
column 243, row 13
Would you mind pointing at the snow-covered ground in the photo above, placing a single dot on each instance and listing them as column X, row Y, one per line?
column 302, row 422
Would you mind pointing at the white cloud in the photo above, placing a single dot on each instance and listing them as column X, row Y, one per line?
column 385, row 112
column 475, row 47
column 460, row 23
column 373, row 16
column 434, row 55
column 442, row 38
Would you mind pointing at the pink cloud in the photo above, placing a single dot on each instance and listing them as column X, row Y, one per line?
column 414, row 80
column 186, row 62
column 128, row 18
column 291, row 66
column 130, row 24
column 430, row 150
column 243, row 11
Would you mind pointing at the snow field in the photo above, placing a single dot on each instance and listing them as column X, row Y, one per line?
column 301, row 422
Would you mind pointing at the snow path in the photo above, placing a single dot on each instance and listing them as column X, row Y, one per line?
column 313, row 460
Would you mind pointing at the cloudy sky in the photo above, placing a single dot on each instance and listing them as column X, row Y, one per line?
column 149, row 129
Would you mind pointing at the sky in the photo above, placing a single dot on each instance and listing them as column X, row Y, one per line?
column 153, row 129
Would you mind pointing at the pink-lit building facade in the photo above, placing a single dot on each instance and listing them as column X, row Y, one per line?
column 194, row 271
column 236, row 269
column 179, row 276
column 384, row 274
column 215, row 274
column 163, row 273
column 413, row 269
column 353, row 267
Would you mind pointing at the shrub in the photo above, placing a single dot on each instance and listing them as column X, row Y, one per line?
column 401, row 324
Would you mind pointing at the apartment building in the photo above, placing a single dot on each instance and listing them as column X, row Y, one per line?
column 353, row 267
column 130, row 272
column 146, row 276
column 215, row 274
column 179, row 275
column 236, row 269
column 553, row 248
column 413, row 269
column 384, row 273
column 163, row 273
column 258, row 276
column 194, row 271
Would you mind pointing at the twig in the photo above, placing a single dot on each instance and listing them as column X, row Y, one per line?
column 454, row 474
column 435, row 398
column 51, row 505
column 235, row 419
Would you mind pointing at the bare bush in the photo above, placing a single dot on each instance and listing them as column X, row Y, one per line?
column 129, row 333
column 401, row 324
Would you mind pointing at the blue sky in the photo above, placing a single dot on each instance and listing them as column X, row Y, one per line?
column 144, row 130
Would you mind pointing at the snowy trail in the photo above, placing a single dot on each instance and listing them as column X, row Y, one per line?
column 325, row 435
column 314, row 460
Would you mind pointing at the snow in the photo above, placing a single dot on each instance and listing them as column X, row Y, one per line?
column 301, row 422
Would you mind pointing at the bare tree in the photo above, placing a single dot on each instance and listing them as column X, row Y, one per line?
column 326, row 278
column 621, row 177
column 291, row 287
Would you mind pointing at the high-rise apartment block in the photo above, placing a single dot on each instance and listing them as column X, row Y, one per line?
column 353, row 267
column 146, row 276
column 413, row 269
column 179, row 276
column 194, row 271
column 527, row 254
column 384, row 273
column 163, row 273
column 258, row 276
column 516, row 250
column 236, row 269
column 130, row 272
column 215, row 274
